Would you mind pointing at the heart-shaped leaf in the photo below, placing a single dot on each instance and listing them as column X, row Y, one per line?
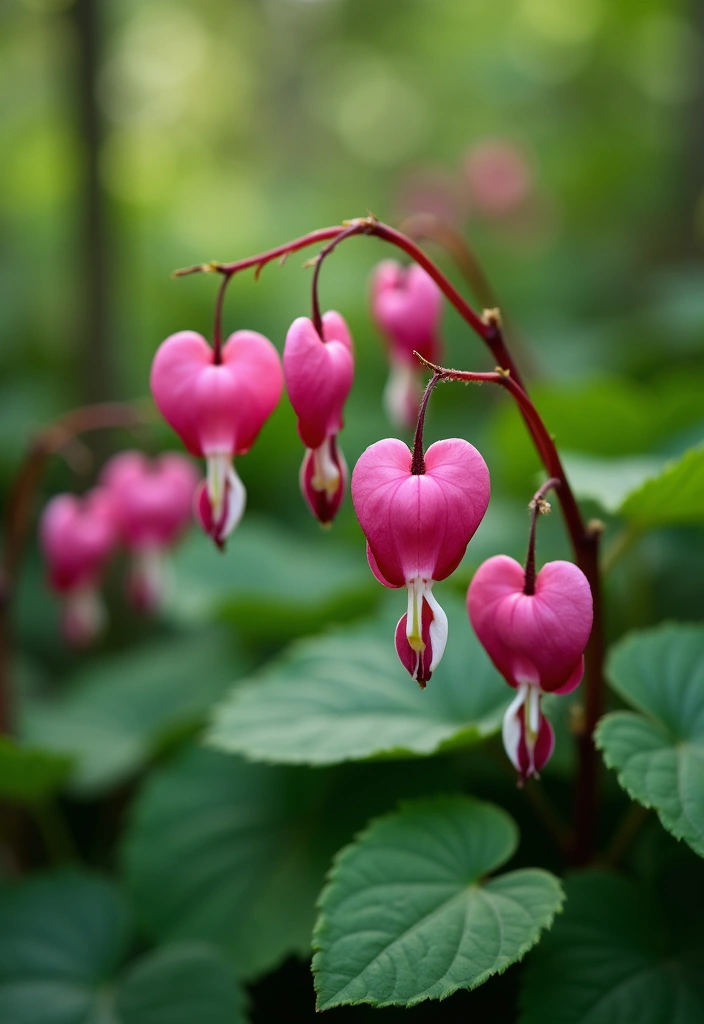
column 345, row 696
column 613, row 958
column 658, row 752
column 409, row 913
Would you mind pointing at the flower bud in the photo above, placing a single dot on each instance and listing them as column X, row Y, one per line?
column 318, row 373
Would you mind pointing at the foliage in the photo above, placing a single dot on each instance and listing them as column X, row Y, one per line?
column 254, row 757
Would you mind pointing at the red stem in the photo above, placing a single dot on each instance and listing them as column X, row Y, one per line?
column 584, row 537
column 536, row 506
column 585, row 540
column 418, row 459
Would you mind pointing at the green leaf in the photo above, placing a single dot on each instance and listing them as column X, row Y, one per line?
column 658, row 752
column 610, row 418
column 647, row 490
column 28, row 774
column 345, row 696
column 235, row 854
column 409, row 915
column 62, row 940
column 271, row 581
column 610, row 481
column 612, row 959
column 115, row 714
column 230, row 853
column 180, row 984
column 675, row 496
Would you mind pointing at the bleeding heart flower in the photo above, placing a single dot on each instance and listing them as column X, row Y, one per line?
column 536, row 640
column 406, row 306
column 417, row 527
column 318, row 373
column 218, row 408
column 152, row 503
column 77, row 536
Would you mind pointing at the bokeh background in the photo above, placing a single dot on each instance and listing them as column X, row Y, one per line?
column 143, row 136
column 564, row 138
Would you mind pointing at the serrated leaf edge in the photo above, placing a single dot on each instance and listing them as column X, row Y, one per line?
column 346, row 851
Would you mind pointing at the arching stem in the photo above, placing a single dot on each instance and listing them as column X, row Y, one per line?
column 317, row 261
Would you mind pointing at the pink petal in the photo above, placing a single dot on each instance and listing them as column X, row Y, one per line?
column 318, row 376
column 407, row 306
column 152, row 498
column 77, row 535
column 323, row 503
column 217, row 408
column 419, row 526
column 538, row 638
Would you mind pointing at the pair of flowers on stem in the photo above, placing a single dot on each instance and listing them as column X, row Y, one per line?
column 418, row 510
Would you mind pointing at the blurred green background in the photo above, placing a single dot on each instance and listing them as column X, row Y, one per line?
column 144, row 136
column 141, row 136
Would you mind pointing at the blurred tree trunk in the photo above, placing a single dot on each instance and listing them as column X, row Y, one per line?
column 96, row 358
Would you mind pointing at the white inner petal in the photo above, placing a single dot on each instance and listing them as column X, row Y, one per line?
column 236, row 501
column 414, row 620
column 438, row 627
column 218, row 466
column 401, row 394
column 511, row 728
column 326, row 475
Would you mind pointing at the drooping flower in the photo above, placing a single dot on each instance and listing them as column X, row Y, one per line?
column 417, row 527
column 318, row 374
column 77, row 536
column 406, row 306
column 152, row 504
column 536, row 640
column 217, row 407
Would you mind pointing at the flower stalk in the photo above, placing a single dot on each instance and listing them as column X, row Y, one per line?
column 584, row 536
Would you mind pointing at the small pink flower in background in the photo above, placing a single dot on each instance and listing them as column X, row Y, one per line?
column 434, row 192
column 499, row 177
column 536, row 640
column 406, row 307
column 217, row 409
column 417, row 527
column 77, row 536
column 318, row 374
column 152, row 505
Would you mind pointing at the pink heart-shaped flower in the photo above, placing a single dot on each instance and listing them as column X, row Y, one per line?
column 77, row 534
column 538, row 638
column 152, row 498
column 217, row 408
column 418, row 526
column 318, row 374
column 406, row 306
